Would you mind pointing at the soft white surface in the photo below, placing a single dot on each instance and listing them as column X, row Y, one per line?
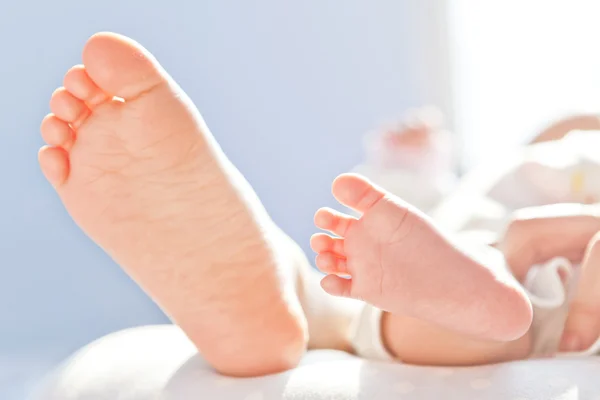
column 158, row 362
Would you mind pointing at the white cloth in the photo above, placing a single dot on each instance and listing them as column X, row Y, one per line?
column 366, row 338
column 550, row 297
column 563, row 171
column 567, row 170
column 159, row 362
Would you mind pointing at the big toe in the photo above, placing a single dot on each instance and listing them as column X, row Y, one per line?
column 120, row 66
column 356, row 192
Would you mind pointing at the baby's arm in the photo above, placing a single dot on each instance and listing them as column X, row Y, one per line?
column 556, row 131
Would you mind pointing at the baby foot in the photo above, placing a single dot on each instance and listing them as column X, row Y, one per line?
column 397, row 260
column 138, row 170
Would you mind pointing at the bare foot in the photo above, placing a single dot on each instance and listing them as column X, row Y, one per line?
column 138, row 170
column 398, row 261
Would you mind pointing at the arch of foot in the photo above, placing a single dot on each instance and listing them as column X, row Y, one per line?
column 160, row 362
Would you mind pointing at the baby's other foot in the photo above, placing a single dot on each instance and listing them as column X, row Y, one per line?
column 395, row 258
column 139, row 171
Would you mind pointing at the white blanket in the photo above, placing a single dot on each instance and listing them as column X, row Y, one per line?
column 159, row 363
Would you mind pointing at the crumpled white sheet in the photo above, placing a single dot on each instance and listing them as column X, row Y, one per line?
column 564, row 171
column 159, row 363
column 550, row 298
